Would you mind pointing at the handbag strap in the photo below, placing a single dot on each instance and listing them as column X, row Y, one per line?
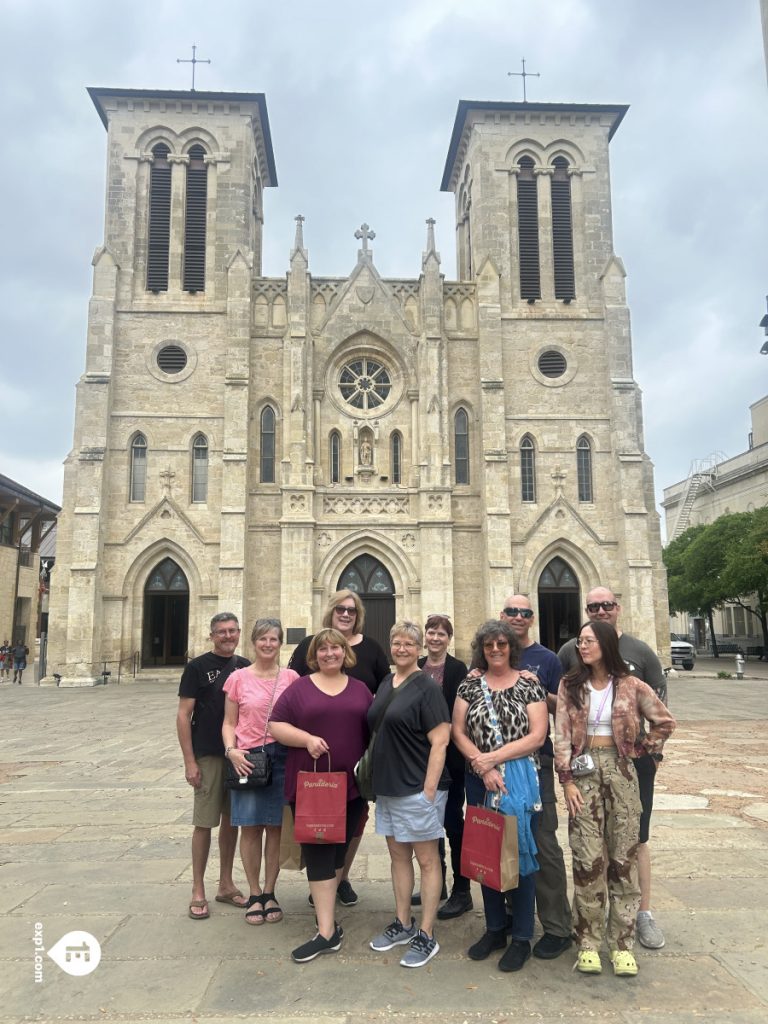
column 269, row 709
column 388, row 700
column 316, row 759
column 491, row 712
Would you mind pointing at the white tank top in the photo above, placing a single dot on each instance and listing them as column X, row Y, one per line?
column 599, row 719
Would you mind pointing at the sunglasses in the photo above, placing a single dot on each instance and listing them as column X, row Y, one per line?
column 524, row 613
column 341, row 609
column 607, row 606
column 500, row 644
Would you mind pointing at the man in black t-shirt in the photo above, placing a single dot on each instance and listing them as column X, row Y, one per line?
column 198, row 725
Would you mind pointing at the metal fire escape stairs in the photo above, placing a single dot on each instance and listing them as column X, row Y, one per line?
column 702, row 475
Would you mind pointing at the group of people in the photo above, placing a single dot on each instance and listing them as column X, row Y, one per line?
column 13, row 656
column 443, row 735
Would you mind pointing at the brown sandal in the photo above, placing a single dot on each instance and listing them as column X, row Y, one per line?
column 199, row 904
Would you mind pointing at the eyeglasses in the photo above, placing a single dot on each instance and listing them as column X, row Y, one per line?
column 607, row 606
column 524, row 613
column 403, row 645
column 501, row 644
column 225, row 632
column 586, row 641
column 342, row 609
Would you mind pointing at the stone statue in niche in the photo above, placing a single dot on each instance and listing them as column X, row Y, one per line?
column 366, row 452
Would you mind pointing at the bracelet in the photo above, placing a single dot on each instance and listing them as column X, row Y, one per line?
column 227, row 750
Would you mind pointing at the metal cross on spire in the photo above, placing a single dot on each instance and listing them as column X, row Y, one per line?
column 364, row 233
column 195, row 60
column 524, row 74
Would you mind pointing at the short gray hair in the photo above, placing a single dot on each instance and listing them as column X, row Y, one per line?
column 407, row 628
column 223, row 617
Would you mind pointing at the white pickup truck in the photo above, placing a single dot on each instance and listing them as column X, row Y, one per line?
column 683, row 653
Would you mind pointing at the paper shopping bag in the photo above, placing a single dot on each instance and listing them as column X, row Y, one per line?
column 291, row 858
column 489, row 849
column 321, row 807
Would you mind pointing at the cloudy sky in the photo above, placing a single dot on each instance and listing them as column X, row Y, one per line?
column 361, row 100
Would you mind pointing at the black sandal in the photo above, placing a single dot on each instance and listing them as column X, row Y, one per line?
column 269, row 897
column 254, row 910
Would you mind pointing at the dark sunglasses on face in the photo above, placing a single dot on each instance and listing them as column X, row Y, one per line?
column 607, row 606
column 341, row 609
column 524, row 613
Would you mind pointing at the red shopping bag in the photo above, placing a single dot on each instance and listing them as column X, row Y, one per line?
column 321, row 807
column 489, row 852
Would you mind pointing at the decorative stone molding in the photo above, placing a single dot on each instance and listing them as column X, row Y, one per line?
column 365, row 506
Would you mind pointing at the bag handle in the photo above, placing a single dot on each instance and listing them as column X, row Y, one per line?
column 316, row 759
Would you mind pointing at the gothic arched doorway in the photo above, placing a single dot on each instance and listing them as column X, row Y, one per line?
column 166, row 616
column 559, row 605
column 371, row 581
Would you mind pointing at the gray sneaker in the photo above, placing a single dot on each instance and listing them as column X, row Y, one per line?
column 648, row 932
column 395, row 934
column 420, row 951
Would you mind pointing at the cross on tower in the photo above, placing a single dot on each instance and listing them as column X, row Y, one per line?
column 365, row 233
column 524, row 74
column 195, row 60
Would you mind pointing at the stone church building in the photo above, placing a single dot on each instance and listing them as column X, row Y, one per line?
column 254, row 443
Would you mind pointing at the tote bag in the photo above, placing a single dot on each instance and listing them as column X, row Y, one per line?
column 489, row 849
column 321, row 806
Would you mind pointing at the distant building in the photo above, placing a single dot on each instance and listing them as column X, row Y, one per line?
column 26, row 524
column 716, row 487
column 254, row 443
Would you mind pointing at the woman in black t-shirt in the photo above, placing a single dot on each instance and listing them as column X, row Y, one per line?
column 411, row 784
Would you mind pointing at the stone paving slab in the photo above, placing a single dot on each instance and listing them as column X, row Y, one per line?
column 96, row 837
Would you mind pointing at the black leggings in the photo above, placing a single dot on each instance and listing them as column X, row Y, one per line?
column 323, row 860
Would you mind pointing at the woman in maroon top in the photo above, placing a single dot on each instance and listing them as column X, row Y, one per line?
column 324, row 713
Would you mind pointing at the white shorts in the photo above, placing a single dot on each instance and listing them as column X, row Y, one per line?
column 411, row 819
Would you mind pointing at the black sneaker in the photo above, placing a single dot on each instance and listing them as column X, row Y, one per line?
column 516, row 955
column 551, row 946
column 303, row 954
column 486, row 944
column 346, row 894
column 458, row 903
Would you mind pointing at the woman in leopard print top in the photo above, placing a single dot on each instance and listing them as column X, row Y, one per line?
column 520, row 707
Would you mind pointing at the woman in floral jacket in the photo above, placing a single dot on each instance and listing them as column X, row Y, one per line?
column 600, row 708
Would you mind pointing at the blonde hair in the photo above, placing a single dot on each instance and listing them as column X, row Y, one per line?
column 330, row 636
column 407, row 628
column 335, row 599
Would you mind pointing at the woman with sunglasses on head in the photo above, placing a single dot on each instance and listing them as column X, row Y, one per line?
column 345, row 613
column 600, row 710
column 499, row 716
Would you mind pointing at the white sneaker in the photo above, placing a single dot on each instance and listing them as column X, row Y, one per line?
column 648, row 932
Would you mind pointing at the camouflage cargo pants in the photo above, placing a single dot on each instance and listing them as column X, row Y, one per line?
column 608, row 822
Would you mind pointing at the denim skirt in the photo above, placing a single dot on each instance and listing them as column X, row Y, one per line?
column 262, row 806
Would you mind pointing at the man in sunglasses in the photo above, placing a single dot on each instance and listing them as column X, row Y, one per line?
column 642, row 661
column 552, row 904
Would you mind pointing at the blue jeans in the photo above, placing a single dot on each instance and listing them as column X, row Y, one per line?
column 522, row 900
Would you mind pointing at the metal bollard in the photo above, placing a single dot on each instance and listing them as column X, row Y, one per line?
column 739, row 666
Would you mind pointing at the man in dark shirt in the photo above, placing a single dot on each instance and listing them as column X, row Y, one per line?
column 198, row 724
column 643, row 663
column 552, row 906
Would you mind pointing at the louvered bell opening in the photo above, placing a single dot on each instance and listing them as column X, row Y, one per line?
column 159, row 222
column 194, row 223
column 528, row 237
column 562, row 236
column 552, row 364
column 172, row 359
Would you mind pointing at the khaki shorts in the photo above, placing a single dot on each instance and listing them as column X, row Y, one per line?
column 211, row 798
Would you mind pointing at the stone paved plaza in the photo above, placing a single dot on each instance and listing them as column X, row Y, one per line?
column 95, row 836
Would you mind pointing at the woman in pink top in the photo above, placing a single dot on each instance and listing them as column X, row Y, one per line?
column 252, row 692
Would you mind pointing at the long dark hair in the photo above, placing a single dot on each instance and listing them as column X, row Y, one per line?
column 575, row 681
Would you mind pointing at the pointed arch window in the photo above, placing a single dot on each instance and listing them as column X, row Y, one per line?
column 334, row 456
column 562, row 231
column 527, row 469
column 194, row 221
column 200, row 468
column 138, row 486
column 396, row 458
column 528, row 230
column 584, row 469
column 461, row 446
column 159, row 231
column 267, row 445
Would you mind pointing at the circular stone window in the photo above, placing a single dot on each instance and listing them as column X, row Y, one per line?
column 172, row 359
column 364, row 383
column 552, row 364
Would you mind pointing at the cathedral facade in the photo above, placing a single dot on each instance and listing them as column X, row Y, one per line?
column 252, row 443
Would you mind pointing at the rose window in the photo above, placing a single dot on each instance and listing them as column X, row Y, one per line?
column 365, row 384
